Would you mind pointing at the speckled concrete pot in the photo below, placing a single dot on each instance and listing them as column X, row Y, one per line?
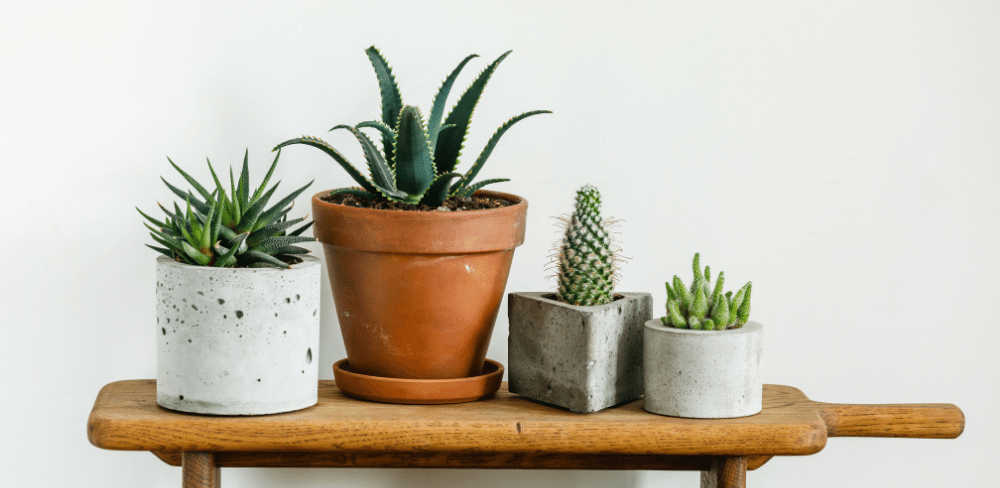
column 237, row 341
column 584, row 359
column 703, row 374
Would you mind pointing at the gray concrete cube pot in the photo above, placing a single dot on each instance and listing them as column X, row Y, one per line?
column 703, row 374
column 584, row 359
column 237, row 341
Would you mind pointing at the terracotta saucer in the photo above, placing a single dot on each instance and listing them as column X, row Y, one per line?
column 418, row 392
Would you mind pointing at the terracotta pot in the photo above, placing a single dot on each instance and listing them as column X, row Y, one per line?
column 417, row 293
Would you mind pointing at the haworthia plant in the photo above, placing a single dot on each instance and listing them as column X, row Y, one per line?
column 237, row 229
column 586, row 257
column 703, row 306
column 417, row 162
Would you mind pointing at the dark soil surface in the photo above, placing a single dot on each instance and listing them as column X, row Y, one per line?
column 452, row 204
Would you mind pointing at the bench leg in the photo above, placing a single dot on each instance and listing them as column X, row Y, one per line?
column 199, row 470
column 726, row 472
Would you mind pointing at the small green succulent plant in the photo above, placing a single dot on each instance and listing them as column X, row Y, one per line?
column 587, row 257
column 417, row 162
column 703, row 306
column 237, row 229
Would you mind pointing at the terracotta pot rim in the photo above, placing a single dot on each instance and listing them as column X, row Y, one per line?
column 429, row 216
column 308, row 260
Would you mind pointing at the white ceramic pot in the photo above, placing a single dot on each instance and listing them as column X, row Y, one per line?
column 237, row 341
column 703, row 374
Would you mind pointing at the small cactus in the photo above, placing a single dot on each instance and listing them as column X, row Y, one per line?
column 587, row 258
column 703, row 306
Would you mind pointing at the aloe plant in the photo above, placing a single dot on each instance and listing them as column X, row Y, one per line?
column 703, row 306
column 237, row 229
column 586, row 257
column 417, row 162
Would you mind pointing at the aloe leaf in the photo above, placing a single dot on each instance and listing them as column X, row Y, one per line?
column 217, row 222
column 302, row 229
column 392, row 101
column 253, row 213
column 270, row 230
column 158, row 223
column 195, row 254
column 330, row 151
column 414, row 166
column 228, row 254
column 386, row 131
column 277, row 209
column 267, row 178
column 236, row 209
column 438, row 191
column 252, row 257
column 289, row 250
column 206, row 236
column 381, row 173
column 244, row 184
column 449, row 144
column 166, row 252
column 437, row 110
column 201, row 206
column 271, row 243
column 197, row 186
column 488, row 149
column 171, row 216
column 469, row 190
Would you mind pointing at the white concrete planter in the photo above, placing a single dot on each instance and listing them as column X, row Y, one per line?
column 703, row 374
column 237, row 341
column 582, row 358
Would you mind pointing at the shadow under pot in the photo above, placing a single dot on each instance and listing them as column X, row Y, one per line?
column 237, row 341
column 703, row 374
column 417, row 293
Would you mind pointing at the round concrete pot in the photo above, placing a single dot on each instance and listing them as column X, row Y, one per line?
column 703, row 374
column 417, row 293
column 237, row 341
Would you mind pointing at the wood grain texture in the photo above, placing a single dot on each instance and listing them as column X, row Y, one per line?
column 925, row 421
column 126, row 417
column 458, row 460
column 726, row 472
column 200, row 471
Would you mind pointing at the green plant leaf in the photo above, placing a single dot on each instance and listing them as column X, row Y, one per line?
column 195, row 254
column 382, row 175
column 392, row 101
column 252, row 257
column 414, row 166
column 244, row 184
column 488, row 149
column 289, row 250
column 197, row 186
column 236, row 209
column 271, row 243
column 270, row 230
column 158, row 223
column 438, row 191
column 253, row 213
column 437, row 110
column 449, row 144
column 228, row 255
column 469, row 190
column 198, row 204
column 267, row 178
column 302, row 229
column 277, row 209
column 333, row 153
column 166, row 252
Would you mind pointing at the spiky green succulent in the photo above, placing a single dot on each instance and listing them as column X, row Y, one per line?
column 703, row 306
column 223, row 230
column 417, row 162
column 587, row 257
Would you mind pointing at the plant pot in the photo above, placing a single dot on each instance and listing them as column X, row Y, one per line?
column 417, row 293
column 584, row 359
column 703, row 374
column 237, row 341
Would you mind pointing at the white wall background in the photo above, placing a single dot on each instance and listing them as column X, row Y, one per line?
column 845, row 156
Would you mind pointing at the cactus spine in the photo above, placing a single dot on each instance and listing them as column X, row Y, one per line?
column 705, row 307
column 586, row 257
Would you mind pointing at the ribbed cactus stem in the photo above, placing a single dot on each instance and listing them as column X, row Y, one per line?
column 744, row 312
column 704, row 306
column 676, row 318
column 586, row 263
